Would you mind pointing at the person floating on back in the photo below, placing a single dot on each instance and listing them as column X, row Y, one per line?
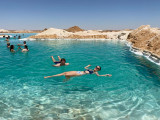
column 61, row 62
column 25, row 48
column 70, row 74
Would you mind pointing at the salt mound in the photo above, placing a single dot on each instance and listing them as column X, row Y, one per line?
column 4, row 31
column 74, row 29
column 52, row 31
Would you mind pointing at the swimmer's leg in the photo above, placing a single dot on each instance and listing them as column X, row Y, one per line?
column 53, row 59
column 59, row 58
column 55, row 75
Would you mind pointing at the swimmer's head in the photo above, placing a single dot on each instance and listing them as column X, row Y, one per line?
column 8, row 44
column 12, row 47
column 63, row 61
column 97, row 68
column 24, row 42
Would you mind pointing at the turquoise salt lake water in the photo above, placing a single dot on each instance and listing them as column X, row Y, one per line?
column 132, row 93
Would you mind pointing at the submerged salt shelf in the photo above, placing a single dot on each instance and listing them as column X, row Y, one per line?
column 146, row 54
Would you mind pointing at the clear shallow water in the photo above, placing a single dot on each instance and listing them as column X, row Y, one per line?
column 132, row 93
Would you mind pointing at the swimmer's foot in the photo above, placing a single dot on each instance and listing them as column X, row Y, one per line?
column 108, row 75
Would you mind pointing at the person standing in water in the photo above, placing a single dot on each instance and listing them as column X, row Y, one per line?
column 8, row 45
column 24, row 43
column 70, row 74
column 19, row 37
column 7, row 39
column 59, row 63
column 25, row 48
column 12, row 48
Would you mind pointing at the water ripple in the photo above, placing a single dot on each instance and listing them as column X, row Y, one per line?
column 131, row 93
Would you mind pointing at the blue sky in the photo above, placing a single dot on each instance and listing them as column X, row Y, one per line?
column 88, row 14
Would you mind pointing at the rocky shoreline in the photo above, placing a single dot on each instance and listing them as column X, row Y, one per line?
column 152, row 57
column 146, row 40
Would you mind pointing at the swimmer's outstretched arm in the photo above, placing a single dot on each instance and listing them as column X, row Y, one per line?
column 87, row 66
column 58, row 65
column 48, row 76
column 66, row 63
column 19, row 48
column 20, row 44
column 102, row 75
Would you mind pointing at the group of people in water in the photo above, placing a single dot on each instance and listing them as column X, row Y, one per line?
column 60, row 62
column 69, row 74
column 8, row 37
column 25, row 49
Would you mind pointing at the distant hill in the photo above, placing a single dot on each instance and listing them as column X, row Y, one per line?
column 3, row 31
column 74, row 29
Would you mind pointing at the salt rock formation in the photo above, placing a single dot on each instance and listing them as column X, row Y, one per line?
column 53, row 33
column 3, row 31
column 74, row 29
column 120, row 35
column 146, row 39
